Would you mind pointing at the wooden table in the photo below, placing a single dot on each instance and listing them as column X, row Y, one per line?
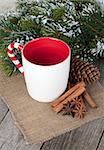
column 88, row 137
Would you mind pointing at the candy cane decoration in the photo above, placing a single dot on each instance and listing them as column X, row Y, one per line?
column 13, row 57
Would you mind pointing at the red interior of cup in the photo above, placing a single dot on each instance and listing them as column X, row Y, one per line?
column 46, row 51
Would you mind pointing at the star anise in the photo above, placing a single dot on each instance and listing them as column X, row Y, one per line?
column 79, row 111
column 78, row 101
column 68, row 108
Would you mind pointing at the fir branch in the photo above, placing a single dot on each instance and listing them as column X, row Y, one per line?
column 93, row 29
column 77, row 22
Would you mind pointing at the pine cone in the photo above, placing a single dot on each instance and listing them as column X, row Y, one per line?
column 83, row 71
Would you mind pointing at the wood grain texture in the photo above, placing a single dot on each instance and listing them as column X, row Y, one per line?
column 101, row 145
column 11, row 138
column 84, row 138
column 3, row 110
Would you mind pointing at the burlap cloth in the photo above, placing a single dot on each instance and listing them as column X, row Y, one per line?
column 37, row 121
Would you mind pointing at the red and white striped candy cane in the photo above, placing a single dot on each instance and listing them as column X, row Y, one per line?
column 13, row 57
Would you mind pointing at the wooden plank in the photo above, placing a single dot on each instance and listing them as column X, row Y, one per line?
column 85, row 137
column 11, row 138
column 3, row 110
column 101, row 145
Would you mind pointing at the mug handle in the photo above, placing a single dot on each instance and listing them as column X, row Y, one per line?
column 13, row 57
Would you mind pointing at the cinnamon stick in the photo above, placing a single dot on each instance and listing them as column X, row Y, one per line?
column 68, row 93
column 89, row 99
column 75, row 94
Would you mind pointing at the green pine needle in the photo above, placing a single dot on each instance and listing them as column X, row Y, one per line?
column 77, row 22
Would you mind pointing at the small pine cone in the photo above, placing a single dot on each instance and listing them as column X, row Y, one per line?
column 83, row 71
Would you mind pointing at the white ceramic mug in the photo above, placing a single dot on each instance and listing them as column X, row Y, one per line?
column 46, row 65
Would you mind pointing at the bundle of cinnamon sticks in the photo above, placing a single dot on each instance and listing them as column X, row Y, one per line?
column 73, row 93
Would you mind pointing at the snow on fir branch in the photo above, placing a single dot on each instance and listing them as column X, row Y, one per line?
column 79, row 23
